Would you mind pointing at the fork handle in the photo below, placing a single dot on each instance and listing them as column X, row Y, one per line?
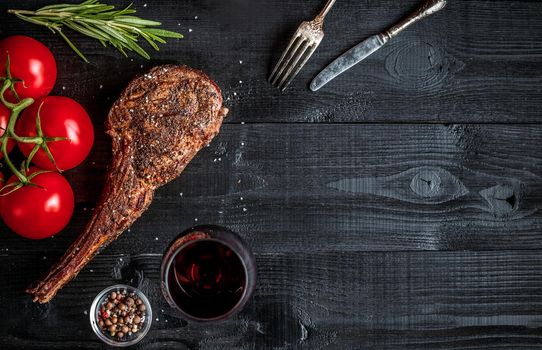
column 428, row 8
column 325, row 10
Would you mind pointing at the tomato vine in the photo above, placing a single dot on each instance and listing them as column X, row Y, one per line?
column 40, row 140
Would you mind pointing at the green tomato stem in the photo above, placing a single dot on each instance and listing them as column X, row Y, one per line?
column 40, row 140
column 22, row 178
column 16, row 109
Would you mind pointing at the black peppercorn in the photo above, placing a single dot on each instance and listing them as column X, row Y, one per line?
column 121, row 314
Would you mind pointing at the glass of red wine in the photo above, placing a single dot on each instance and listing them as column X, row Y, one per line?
column 208, row 273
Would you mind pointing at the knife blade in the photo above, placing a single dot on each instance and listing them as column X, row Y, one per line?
column 347, row 60
column 367, row 47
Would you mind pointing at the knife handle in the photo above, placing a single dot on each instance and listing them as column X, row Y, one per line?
column 428, row 8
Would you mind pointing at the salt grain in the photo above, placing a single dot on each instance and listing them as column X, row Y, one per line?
column 190, row 30
column 144, row 5
column 155, row 238
column 240, row 62
column 196, row 219
column 85, row 312
column 244, row 209
column 195, row 17
column 101, row 86
column 242, row 143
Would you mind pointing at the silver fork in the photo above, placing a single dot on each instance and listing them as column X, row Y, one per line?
column 301, row 47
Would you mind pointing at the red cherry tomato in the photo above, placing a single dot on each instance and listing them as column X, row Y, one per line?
column 38, row 212
column 30, row 61
column 60, row 117
column 4, row 119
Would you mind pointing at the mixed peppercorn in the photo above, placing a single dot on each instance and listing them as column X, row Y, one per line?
column 121, row 314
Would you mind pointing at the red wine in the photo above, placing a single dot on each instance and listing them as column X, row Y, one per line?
column 207, row 280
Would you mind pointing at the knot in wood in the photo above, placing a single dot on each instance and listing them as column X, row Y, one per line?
column 416, row 65
column 426, row 183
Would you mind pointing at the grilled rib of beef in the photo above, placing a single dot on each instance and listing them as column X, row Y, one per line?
column 159, row 123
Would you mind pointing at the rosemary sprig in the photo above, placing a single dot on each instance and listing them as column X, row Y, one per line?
column 99, row 21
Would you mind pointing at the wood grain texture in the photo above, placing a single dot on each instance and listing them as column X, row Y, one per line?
column 292, row 187
column 476, row 61
column 397, row 208
column 331, row 300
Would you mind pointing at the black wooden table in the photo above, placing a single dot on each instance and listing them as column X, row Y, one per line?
column 397, row 208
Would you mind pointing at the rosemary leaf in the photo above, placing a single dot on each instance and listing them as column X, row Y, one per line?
column 115, row 34
column 32, row 20
column 52, row 7
column 136, row 21
column 155, row 38
column 149, row 40
column 79, row 28
column 97, row 32
column 164, row 33
column 134, row 46
column 73, row 47
column 80, row 9
column 123, row 12
column 120, row 48
column 118, row 28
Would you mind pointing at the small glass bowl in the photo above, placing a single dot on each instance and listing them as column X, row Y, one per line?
column 128, row 340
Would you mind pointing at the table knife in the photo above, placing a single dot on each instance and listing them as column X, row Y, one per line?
column 367, row 47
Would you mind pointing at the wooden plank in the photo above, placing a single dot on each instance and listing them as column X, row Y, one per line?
column 478, row 61
column 321, row 203
column 292, row 187
column 309, row 300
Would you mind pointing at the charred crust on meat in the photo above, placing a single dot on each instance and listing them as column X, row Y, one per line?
column 158, row 124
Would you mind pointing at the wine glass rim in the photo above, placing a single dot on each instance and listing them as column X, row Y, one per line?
column 169, row 262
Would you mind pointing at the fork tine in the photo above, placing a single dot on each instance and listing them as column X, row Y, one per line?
column 293, row 64
column 284, row 53
column 287, row 60
column 308, row 55
column 289, row 55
